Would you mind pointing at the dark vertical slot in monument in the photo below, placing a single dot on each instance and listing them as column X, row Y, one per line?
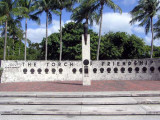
column 101, row 70
column 25, row 71
column 115, row 70
column 95, row 70
column 152, row 69
column 46, row 70
column 60, row 70
column 122, row 69
column 159, row 69
column 86, row 69
column 32, row 71
column 53, row 71
column 80, row 70
column 137, row 69
column 39, row 71
column 109, row 70
column 144, row 69
column 74, row 70
column 130, row 70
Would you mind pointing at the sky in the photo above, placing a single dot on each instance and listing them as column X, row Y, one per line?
column 114, row 22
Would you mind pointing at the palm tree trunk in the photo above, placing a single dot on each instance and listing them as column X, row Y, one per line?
column 100, row 30
column 5, row 40
column 46, row 53
column 25, row 54
column 152, row 37
column 19, row 47
column 60, row 57
column 13, row 45
column 8, row 50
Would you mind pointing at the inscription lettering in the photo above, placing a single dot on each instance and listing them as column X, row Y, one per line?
column 129, row 63
column 140, row 62
column 65, row 64
column 29, row 64
column 59, row 64
column 103, row 63
column 71, row 64
column 53, row 64
column 135, row 62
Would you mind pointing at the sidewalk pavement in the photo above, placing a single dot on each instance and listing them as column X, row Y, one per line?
column 76, row 86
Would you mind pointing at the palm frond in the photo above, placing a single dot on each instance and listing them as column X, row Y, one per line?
column 35, row 18
column 112, row 5
column 148, row 25
column 157, row 28
column 143, row 12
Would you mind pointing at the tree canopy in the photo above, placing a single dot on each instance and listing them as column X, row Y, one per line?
column 119, row 45
column 144, row 13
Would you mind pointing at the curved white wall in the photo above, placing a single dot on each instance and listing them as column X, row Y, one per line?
column 134, row 69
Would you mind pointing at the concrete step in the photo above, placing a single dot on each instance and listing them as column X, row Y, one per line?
column 73, row 117
column 80, row 110
column 80, row 104
column 79, row 101
column 81, row 94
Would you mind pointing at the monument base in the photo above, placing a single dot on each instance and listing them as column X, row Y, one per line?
column 86, row 82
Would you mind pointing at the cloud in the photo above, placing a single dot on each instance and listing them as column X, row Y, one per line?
column 157, row 42
column 37, row 34
column 68, row 21
column 115, row 22
column 148, row 39
column 137, row 29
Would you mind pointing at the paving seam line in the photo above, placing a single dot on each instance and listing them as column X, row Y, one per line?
column 141, row 105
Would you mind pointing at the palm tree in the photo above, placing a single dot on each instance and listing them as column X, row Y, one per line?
column 20, row 38
column 14, row 31
column 13, row 28
column 99, row 5
column 63, row 4
column 6, row 7
column 25, row 10
column 157, row 28
column 144, row 13
column 85, row 11
column 46, row 6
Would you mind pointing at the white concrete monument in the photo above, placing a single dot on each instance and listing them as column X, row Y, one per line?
column 82, row 70
column 86, row 56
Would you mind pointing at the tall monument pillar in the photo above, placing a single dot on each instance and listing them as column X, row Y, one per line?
column 86, row 56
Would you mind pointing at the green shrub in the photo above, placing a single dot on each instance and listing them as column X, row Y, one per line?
column 1, row 70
